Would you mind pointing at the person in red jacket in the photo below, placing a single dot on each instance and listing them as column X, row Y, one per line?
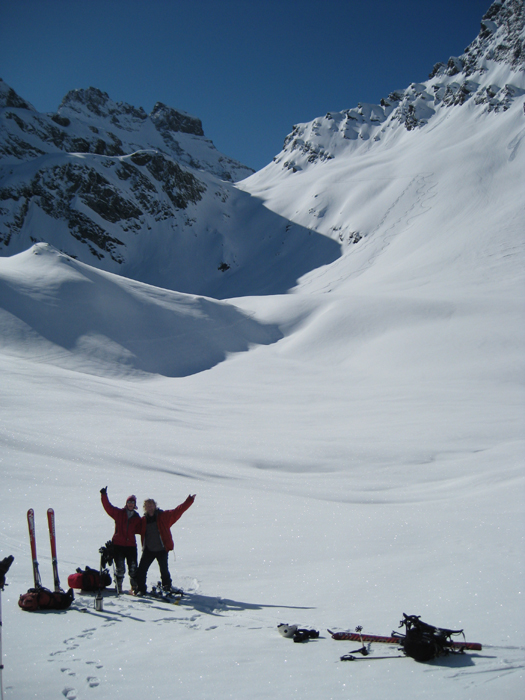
column 157, row 541
column 128, row 524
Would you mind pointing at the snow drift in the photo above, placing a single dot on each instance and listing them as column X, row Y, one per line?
column 59, row 310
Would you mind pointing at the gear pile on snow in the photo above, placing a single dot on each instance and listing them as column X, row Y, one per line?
column 89, row 579
column 40, row 598
column 424, row 642
column 44, row 599
column 298, row 635
column 421, row 641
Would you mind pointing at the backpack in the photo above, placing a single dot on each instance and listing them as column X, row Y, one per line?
column 424, row 642
column 44, row 599
column 89, row 579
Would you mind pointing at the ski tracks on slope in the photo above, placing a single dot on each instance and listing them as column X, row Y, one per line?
column 423, row 185
column 412, row 202
column 400, row 215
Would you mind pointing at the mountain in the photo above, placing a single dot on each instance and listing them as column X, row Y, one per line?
column 144, row 196
column 355, row 444
column 150, row 198
column 368, row 175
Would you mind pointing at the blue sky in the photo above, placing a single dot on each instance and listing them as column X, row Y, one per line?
column 249, row 69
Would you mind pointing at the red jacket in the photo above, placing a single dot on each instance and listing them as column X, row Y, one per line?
column 125, row 528
column 165, row 519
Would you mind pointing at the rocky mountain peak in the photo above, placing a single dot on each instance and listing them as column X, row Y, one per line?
column 9, row 98
column 501, row 39
column 92, row 101
column 168, row 119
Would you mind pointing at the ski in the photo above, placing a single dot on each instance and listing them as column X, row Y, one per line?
column 174, row 596
column 32, row 540
column 156, row 593
column 350, row 657
column 360, row 637
column 52, row 539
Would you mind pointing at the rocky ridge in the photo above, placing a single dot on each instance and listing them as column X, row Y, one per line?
column 464, row 79
column 101, row 171
column 145, row 196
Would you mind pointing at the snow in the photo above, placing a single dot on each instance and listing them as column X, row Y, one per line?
column 354, row 436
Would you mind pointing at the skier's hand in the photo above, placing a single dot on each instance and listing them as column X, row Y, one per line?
column 104, row 490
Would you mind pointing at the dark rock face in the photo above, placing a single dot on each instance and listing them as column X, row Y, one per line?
column 99, row 103
column 88, row 200
column 9, row 98
column 169, row 119
column 101, row 170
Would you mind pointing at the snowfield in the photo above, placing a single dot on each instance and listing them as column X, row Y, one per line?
column 356, row 443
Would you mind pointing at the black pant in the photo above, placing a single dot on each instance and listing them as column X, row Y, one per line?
column 146, row 560
column 122, row 556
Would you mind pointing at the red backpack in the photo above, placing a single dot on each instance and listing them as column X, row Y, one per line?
column 89, row 579
column 44, row 599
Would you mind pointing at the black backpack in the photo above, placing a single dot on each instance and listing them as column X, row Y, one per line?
column 424, row 642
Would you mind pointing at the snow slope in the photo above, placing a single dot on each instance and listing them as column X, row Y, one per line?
column 69, row 313
column 356, row 455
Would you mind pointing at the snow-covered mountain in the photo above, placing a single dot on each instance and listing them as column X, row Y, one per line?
column 350, row 174
column 355, row 444
column 147, row 197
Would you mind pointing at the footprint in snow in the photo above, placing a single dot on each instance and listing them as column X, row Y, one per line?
column 69, row 693
column 92, row 681
column 87, row 633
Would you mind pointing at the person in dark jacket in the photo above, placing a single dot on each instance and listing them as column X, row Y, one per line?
column 128, row 524
column 157, row 541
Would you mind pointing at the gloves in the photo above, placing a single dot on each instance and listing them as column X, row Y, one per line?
column 4, row 567
column 104, row 491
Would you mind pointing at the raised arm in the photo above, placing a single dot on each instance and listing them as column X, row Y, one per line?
column 176, row 513
column 108, row 507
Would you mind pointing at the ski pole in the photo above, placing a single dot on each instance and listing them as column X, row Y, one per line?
column 4, row 567
column 1, row 657
column 99, row 603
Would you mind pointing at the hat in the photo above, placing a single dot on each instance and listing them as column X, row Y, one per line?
column 131, row 498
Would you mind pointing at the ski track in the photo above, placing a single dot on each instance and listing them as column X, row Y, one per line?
column 403, row 213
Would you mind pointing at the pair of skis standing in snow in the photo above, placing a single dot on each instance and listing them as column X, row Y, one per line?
column 39, row 597
column 154, row 529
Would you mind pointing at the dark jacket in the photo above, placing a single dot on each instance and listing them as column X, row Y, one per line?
column 125, row 527
column 165, row 519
